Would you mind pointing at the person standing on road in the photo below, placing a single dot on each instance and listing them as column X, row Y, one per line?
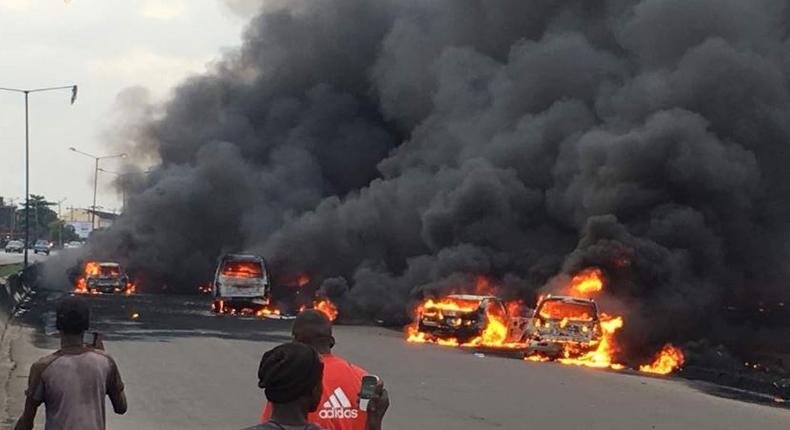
column 291, row 376
column 339, row 406
column 73, row 381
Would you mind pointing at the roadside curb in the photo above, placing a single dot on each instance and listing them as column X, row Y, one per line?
column 14, row 297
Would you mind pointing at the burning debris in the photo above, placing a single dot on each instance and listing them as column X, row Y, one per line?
column 602, row 355
column 323, row 305
column 327, row 307
column 221, row 308
column 668, row 360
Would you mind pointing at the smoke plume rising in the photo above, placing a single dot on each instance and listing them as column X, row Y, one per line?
column 397, row 148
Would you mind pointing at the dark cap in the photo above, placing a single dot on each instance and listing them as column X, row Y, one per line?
column 289, row 371
column 73, row 315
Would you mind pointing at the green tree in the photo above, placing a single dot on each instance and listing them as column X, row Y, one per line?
column 41, row 217
column 60, row 232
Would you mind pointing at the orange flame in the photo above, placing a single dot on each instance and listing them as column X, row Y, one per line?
column 91, row 268
column 602, row 356
column 221, row 308
column 540, row 358
column 587, row 282
column 328, row 308
column 666, row 361
column 302, row 280
column 494, row 334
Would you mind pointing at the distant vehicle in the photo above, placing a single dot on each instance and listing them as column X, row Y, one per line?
column 564, row 325
column 241, row 282
column 41, row 246
column 15, row 246
column 463, row 316
column 106, row 277
column 73, row 244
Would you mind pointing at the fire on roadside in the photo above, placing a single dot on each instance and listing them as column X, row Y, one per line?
column 666, row 361
column 602, row 356
column 220, row 307
column 323, row 305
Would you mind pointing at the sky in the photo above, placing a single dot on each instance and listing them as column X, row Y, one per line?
column 104, row 46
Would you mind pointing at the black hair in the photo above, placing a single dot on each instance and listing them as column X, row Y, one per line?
column 314, row 328
column 73, row 315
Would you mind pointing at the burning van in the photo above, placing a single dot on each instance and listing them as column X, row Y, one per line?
column 241, row 282
column 460, row 316
column 104, row 277
column 564, row 326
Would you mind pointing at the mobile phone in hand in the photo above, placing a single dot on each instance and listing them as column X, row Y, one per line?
column 367, row 390
column 97, row 342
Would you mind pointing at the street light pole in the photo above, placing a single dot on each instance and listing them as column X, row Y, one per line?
column 95, row 188
column 27, row 92
column 27, row 177
column 95, row 177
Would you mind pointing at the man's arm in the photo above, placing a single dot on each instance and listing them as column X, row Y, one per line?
column 115, row 390
column 33, row 397
column 118, row 401
column 28, row 417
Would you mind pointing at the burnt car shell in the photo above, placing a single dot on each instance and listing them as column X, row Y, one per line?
column 564, row 325
column 458, row 324
column 110, row 278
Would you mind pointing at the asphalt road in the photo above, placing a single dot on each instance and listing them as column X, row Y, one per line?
column 186, row 368
column 11, row 258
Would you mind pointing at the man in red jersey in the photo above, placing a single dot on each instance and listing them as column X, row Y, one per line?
column 339, row 405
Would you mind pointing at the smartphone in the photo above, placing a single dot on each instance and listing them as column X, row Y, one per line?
column 92, row 339
column 367, row 391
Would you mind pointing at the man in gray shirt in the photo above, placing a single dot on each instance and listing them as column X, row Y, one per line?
column 73, row 381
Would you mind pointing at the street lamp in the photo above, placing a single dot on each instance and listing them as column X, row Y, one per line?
column 27, row 92
column 95, row 177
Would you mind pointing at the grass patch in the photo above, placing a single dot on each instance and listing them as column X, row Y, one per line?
column 10, row 269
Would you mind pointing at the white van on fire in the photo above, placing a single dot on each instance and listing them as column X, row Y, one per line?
column 241, row 282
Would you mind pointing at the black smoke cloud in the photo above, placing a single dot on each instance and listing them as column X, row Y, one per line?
column 399, row 148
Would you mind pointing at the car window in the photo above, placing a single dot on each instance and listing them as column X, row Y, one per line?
column 559, row 309
column 242, row 269
column 110, row 270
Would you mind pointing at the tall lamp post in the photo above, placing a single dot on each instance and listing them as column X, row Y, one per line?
column 27, row 93
column 95, row 177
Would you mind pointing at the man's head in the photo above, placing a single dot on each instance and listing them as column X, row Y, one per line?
column 290, row 375
column 314, row 328
column 73, row 315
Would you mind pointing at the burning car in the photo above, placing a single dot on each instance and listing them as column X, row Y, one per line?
column 241, row 282
column 564, row 326
column 104, row 277
column 462, row 317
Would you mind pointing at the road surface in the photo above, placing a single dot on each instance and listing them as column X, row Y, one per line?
column 186, row 368
column 11, row 258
